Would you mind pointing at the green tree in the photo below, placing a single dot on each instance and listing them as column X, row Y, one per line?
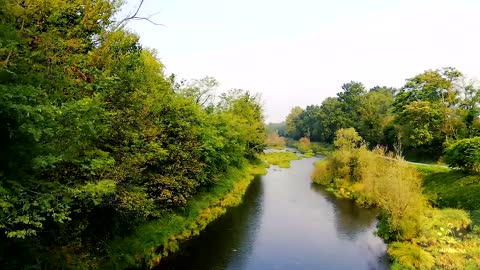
column 376, row 115
column 292, row 123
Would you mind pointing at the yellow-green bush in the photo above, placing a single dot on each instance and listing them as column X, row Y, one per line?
column 427, row 237
column 304, row 145
column 321, row 174
column 411, row 256
column 375, row 178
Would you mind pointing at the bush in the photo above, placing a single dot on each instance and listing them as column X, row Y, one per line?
column 411, row 256
column 464, row 154
column 322, row 175
column 376, row 178
column 304, row 145
column 275, row 141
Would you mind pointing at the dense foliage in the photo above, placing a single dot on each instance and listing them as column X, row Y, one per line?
column 464, row 154
column 95, row 139
column 419, row 236
column 431, row 110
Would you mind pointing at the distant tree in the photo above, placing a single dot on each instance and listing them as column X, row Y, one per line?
column 279, row 128
column 293, row 123
column 376, row 115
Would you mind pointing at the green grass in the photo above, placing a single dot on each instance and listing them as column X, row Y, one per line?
column 281, row 159
column 323, row 149
column 318, row 148
column 453, row 188
column 154, row 240
column 426, row 169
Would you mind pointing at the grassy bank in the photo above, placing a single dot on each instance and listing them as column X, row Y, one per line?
column 419, row 235
column 454, row 188
column 311, row 148
column 154, row 240
column 281, row 159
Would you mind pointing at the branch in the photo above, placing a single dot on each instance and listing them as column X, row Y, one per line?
column 135, row 17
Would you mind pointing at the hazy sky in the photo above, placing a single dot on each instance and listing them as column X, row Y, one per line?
column 300, row 52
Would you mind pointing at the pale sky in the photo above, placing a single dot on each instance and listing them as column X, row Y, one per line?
column 300, row 52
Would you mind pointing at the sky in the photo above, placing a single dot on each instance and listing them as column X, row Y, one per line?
column 297, row 53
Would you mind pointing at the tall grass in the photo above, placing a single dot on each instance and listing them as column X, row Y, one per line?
column 425, row 237
column 376, row 178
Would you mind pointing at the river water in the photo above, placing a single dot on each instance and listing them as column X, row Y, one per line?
column 286, row 222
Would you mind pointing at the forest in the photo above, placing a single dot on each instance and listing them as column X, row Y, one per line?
column 97, row 142
column 420, row 120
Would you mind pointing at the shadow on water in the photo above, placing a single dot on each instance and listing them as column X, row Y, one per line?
column 285, row 222
column 358, row 225
column 350, row 220
column 218, row 246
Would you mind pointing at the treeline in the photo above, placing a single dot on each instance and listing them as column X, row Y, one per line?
column 420, row 119
column 95, row 139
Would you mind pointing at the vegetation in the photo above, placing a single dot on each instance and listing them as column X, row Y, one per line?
column 281, row 159
column 312, row 148
column 421, row 237
column 464, row 154
column 431, row 111
column 278, row 128
column 456, row 189
column 274, row 141
column 99, row 144
column 156, row 239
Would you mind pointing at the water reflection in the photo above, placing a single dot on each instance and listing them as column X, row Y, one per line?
column 350, row 220
column 286, row 222
column 218, row 245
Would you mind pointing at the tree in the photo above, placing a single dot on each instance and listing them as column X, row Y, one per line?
column 292, row 123
column 202, row 91
column 351, row 99
column 464, row 154
column 95, row 139
column 376, row 115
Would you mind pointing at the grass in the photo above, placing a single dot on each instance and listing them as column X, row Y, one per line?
column 156, row 239
column 316, row 148
column 281, row 159
column 421, row 236
column 323, row 149
column 452, row 188
column 426, row 169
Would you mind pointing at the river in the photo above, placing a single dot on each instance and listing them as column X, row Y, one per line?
column 286, row 222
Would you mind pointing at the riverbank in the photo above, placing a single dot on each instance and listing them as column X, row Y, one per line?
column 277, row 227
column 155, row 240
column 419, row 235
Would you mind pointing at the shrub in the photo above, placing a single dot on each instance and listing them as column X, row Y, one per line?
column 377, row 178
column 347, row 138
column 275, row 141
column 322, row 174
column 304, row 145
column 464, row 154
column 411, row 256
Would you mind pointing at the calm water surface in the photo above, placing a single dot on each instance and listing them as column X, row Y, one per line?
column 285, row 222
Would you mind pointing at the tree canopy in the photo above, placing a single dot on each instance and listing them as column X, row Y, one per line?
column 432, row 109
column 95, row 137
